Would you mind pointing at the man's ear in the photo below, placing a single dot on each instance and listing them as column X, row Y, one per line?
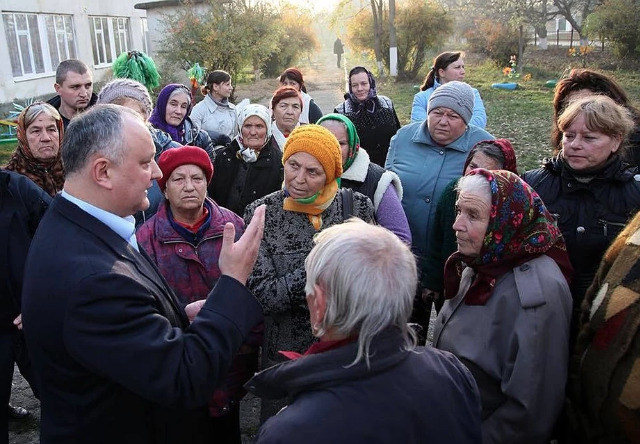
column 57, row 87
column 102, row 172
column 320, row 305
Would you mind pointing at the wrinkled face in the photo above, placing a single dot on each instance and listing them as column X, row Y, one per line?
column 303, row 175
column 177, row 107
column 340, row 131
column 43, row 137
column 75, row 91
column 445, row 125
column 135, row 174
column 222, row 90
column 286, row 114
column 186, row 189
column 584, row 149
column 254, row 133
column 481, row 160
column 471, row 222
column 455, row 71
column 291, row 83
column 360, row 85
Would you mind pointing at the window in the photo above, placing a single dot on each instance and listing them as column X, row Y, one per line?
column 110, row 37
column 38, row 42
column 145, row 35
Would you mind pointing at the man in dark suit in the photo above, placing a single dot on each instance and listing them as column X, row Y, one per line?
column 115, row 355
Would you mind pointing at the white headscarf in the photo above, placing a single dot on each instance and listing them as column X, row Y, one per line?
column 244, row 112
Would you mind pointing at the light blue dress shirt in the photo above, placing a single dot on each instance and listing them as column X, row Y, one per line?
column 125, row 227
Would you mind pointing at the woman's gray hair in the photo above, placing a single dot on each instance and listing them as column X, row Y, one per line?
column 476, row 184
column 369, row 276
column 36, row 109
column 98, row 130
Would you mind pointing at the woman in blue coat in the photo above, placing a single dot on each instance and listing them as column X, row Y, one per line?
column 447, row 67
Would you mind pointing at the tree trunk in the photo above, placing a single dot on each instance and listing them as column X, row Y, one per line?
column 376, row 9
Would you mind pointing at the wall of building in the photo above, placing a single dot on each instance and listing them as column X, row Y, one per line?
column 18, row 89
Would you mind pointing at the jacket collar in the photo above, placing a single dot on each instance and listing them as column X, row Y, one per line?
column 331, row 368
column 165, row 233
column 359, row 168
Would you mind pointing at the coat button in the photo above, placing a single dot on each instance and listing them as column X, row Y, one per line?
column 428, row 200
column 580, row 230
column 442, row 153
column 524, row 267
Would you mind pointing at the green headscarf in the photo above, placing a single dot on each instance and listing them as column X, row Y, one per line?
column 352, row 136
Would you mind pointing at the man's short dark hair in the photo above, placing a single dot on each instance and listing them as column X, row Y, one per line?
column 77, row 66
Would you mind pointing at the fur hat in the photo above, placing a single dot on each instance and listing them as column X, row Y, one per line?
column 321, row 144
column 183, row 155
column 457, row 96
column 128, row 88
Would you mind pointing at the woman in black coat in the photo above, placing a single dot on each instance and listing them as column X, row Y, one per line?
column 250, row 167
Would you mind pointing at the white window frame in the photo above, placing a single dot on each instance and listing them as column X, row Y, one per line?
column 108, row 43
column 144, row 27
column 44, row 45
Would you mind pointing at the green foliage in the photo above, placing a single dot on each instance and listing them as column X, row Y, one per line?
column 235, row 35
column 617, row 20
column 495, row 39
column 419, row 26
column 295, row 38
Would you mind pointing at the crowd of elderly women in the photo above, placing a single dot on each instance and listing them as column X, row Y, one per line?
column 529, row 346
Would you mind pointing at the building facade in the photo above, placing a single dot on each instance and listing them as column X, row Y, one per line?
column 38, row 34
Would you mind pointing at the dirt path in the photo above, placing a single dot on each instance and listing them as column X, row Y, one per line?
column 325, row 83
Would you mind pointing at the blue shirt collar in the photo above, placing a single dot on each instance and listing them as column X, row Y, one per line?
column 125, row 227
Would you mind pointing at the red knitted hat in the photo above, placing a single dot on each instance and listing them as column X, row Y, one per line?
column 184, row 155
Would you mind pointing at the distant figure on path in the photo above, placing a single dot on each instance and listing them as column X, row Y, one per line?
column 338, row 50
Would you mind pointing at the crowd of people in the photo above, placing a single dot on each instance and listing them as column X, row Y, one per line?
column 163, row 260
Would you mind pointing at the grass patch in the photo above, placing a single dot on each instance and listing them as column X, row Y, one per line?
column 6, row 149
column 524, row 115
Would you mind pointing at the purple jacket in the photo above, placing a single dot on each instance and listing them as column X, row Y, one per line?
column 192, row 271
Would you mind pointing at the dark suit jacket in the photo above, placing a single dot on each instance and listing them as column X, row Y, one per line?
column 111, row 347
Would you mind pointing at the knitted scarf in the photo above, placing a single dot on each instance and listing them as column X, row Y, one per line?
column 520, row 229
column 47, row 174
column 313, row 206
column 158, row 116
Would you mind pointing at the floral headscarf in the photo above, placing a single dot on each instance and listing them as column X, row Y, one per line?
column 369, row 103
column 158, row 116
column 47, row 174
column 520, row 229
column 352, row 136
column 507, row 151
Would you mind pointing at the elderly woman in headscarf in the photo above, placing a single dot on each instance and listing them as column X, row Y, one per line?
column 171, row 115
column 365, row 381
column 309, row 202
column 184, row 240
column 286, row 107
column 508, row 306
column 250, row 167
column 382, row 187
column 37, row 155
column 495, row 154
column 372, row 114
